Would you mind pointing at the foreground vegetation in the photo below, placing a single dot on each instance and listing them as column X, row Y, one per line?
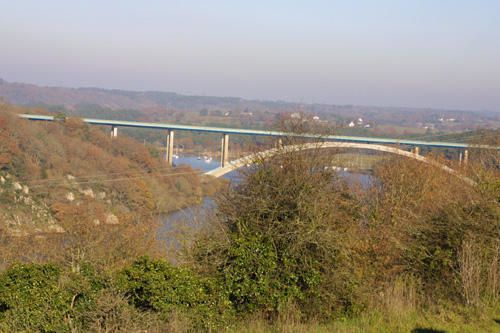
column 293, row 247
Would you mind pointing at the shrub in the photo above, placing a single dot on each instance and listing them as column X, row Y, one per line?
column 44, row 298
column 158, row 286
column 284, row 241
column 31, row 299
column 111, row 312
column 257, row 278
column 430, row 218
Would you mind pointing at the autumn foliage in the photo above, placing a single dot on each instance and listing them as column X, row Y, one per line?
column 98, row 196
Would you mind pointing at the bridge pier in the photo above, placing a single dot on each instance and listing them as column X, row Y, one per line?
column 114, row 131
column 466, row 156
column 170, row 147
column 279, row 143
column 224, row 158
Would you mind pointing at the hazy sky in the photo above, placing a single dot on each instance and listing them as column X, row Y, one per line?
column 426, row 53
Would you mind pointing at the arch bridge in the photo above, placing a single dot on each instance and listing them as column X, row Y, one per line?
column 233, row 165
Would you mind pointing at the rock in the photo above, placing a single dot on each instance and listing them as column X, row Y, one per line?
column 70, row 177
column 96, row 222
column 17, row 186
column 112, row 219
column 88, row 193
column 55, row 228
column 70, row 196
column 2, row 180
column 17, row 233
column 101, row 195
column 26, row 189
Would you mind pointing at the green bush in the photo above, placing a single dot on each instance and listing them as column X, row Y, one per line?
column 31, row 299
column 158, row 286
column 258, row 278
column 43, row 298
column 284, row 240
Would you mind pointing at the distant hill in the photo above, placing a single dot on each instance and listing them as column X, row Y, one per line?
column 86, row 101
column 30, row 94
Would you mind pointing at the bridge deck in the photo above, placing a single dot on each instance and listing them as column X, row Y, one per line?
column 208, row 129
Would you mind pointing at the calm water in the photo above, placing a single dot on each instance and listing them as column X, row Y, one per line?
column 196, row 163
column 190, row 217
column 194, row 216
column 204, row 165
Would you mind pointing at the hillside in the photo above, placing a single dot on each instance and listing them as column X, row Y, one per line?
column 52, row 174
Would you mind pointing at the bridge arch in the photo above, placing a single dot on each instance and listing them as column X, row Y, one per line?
column 233, row 165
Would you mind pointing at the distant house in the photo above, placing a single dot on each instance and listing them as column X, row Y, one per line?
column 352, row 124
column 295, row 115
column 316, row 118
column 360, row 121
column 367, row 126
column 449, row 120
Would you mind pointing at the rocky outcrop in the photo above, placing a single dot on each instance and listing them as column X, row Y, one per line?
column 112, row 219
column 70, row 196
column 26, row 214
column 88, row 193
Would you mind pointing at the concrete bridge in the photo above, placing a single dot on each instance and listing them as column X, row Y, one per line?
column 329, row 141
column 233, row 165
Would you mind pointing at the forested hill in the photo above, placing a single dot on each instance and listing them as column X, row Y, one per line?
column 55, row 174
column 29, row 94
